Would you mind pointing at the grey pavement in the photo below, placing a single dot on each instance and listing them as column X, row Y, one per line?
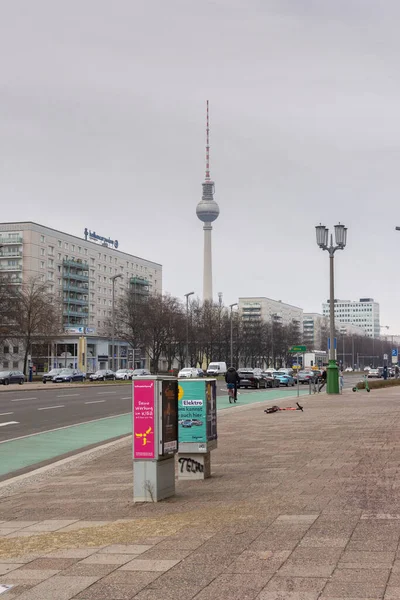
column 301, row 506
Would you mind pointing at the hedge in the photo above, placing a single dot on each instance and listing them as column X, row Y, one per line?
column 379, row 383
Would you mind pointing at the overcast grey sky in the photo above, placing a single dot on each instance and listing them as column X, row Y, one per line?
column 102, row 125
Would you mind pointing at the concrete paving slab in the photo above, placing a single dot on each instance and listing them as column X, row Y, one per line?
column 58, row 588
column 139, row 564
column 126, row 549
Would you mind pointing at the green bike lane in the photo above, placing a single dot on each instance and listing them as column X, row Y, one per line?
column 20, row 454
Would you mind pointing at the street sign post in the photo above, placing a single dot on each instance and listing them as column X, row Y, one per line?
column 298, row 349
column 395, row 356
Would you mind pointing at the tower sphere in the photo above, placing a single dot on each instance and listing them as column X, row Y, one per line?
column 207, row 210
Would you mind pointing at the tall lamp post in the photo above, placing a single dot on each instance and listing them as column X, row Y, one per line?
column 113, row 278
column 231, row 306
column 332, row 385
column 187, row 296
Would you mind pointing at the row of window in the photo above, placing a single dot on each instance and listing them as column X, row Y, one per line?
column 7, row 365
column 6, row 349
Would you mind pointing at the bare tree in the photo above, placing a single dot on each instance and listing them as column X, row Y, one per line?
column 34, row 315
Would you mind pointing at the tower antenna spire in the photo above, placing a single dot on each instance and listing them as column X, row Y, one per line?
column 208, row 146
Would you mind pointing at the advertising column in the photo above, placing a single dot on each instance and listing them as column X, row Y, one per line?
column 155, row 441
column 197, row 427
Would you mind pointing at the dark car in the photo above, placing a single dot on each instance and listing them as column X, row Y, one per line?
column 69, row 375
column 140, row 372
column 49, row 376
column 270, row 379
column 7, row 377
column 251, row 378
column 102, row 375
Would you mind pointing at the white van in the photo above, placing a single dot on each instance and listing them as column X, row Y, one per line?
column 216, row 368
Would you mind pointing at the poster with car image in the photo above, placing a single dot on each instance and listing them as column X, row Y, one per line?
column 192, row 426
column 211, row 392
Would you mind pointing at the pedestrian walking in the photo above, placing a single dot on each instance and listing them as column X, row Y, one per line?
column 323, row 380
column 396, row 371
column 341, row 382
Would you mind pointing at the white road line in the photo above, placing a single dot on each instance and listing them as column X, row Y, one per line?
column 51, row 407
column 22, row 399
column 102, row 393
column 9, row 423
column 126, row 398
column 66, row 395
column 94, row 401
column 4, row 414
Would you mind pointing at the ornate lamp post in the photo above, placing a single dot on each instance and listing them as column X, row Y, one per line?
column 332, row 384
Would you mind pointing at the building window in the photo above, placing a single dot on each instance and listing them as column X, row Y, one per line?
column 42, row 252
column 73, row 247
column 51, row 250
column 6, row 350
column 59, row 281
column 51, row 263
column 59, row 256
column 85, row 251
column 59, row 243
column 66, row 245
column 42, row 264
column 15, row 364
column 79, row 249
column 42, row 239
column 15, row 350
column 98, row 323
column 50, row 276
column 5, row 364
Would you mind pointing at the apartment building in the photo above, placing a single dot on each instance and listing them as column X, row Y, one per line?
column 363, row 313
column 81, row 272
column 316, row 330
column 270, row 310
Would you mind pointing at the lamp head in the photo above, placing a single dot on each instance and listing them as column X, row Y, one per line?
column 340, row 235
column 322, row 233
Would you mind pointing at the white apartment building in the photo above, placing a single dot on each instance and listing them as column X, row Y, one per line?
column 79, row 271
column 363, row 313
column 316, row 330
column 270, row 310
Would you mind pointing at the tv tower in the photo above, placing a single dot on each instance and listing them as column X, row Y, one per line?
column 207, row 211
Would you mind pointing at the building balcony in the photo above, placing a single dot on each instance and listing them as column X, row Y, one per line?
column 14, row 280
column 5, row 240
column 78, row 301
column 10, row 267
column 84, row 289
column 10, row 253
column 76, row 313
column 75, row 263
column 67, row 275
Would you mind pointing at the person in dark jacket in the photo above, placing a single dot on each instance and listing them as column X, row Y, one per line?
column 232, row 377
column 323, row 379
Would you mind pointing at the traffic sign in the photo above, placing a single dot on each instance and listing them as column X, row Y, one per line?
column 395, row 352
column 298, row 349
column 334, row 343
column 385, row 357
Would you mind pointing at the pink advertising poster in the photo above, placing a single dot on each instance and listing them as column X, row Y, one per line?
column 143, row 419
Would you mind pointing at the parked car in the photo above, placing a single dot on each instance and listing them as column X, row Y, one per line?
column 123, row 374
column 374, row 373
column 188, row 372
column 251, row 378
column 187, row 423
column 49, row 376
column 270, row 379
column 140, row 372
column 287, row 380
column 7, row 377
column 102, row 375
column 348, row 370
column 216, row 368
column 69, row 375
column 307, row 376
column 286, row 371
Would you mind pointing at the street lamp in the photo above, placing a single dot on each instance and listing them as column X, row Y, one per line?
column 187, row 296
column 332, row 386
column 113, row 278
column 231, row 306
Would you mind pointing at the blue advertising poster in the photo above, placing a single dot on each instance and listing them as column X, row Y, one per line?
column 192, row 425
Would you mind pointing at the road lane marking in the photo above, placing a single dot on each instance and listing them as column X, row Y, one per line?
column 66, row 395
column 51, row 407
column 21, row 437
column 102, row 393
column 94, row 401
column 126, row 398
column 4, row 414
column 9, row 423
column 22, row 399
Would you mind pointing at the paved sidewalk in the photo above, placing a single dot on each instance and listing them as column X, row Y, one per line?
column 301, row 506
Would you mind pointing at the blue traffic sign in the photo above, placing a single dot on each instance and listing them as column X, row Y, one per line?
column 395, row 352
column 334, row 343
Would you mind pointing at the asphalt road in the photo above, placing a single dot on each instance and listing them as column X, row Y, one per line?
column 23, row 412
